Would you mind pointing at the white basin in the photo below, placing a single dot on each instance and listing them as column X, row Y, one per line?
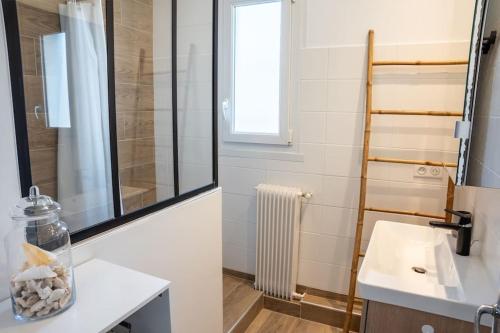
column 452, row 285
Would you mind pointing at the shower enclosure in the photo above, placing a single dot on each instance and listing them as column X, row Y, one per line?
column 115, row 117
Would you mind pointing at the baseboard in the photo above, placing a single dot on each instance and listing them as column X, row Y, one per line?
column 300, row 288
column 323, row 306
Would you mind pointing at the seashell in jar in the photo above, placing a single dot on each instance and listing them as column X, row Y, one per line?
column 21, row 301
column 36, row 256
column 45, row 311
column 60, row 270
column 27, row 313
column 44, row 293
column 38, row 306
column 17, row 288
column 35, row 273
column 65, row 299
column 47, row 283
column 58, row 283
column 18, row 308
column 32, row 285
column 32, row 300
column 56, row 295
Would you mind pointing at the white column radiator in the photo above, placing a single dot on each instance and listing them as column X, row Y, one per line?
column 278, row 224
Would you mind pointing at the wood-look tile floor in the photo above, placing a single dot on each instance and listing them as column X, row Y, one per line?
column 274, row 322
column 238, row 296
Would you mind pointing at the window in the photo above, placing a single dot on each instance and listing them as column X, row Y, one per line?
column 256, row 47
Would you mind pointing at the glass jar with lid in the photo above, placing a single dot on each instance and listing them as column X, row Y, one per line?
column 39, row 259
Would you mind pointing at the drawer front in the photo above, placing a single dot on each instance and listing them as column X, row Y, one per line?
column 385, row 318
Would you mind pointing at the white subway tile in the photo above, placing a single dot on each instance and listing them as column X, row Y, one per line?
column 344, row 128
column 346, row 96
column 241, row 180
column 326, row 249
column 239, row 208
column 323, row 276
column 314, row 160
column 242, row 234
column 340, row 192
column 312, row 127
column 328, row 220
column 313, row 95
column 238, row 258
column 313, row 63
column 406, row 196
column 348, row 62
column 343, row 161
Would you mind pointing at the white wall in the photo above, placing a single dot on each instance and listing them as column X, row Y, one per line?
column 182, row 244
column 331, row 76
column 337, row 22
column 483, row 203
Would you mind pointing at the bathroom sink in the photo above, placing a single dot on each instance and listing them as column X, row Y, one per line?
column 416, row 267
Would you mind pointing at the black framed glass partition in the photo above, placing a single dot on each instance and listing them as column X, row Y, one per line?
column 114, row 104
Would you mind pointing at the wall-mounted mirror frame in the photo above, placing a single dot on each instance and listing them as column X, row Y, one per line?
column 20, row 119
column 467, row 131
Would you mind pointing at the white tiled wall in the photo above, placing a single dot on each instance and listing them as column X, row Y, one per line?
column 483, row 203
column 330, row 133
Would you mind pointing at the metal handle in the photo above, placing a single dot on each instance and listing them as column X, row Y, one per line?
column 488, row 41
column 493, row 310
column 459, row 213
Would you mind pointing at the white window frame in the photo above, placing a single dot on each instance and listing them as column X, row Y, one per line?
column 284, row 137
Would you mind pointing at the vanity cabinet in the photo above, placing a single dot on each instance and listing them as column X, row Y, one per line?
column 385, row 318
column 107, row 295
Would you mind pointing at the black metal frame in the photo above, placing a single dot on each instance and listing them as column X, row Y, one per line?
column 463, row 153
column 17, row 84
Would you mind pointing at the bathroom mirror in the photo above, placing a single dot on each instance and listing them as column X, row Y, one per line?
column 479, row 159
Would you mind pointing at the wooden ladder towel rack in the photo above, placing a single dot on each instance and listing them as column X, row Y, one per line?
column 366, row 159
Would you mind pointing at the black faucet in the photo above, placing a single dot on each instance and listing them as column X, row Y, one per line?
column 464, row 228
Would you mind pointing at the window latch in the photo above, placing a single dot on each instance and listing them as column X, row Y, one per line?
column 462, row 129
column 225, row 108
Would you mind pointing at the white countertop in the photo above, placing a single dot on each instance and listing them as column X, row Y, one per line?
column 106, row 294
column 454, row 286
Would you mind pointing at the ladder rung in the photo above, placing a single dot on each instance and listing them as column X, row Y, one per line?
column 418, row 162
column 404, row 212
column 420, row 63
column 418, row 113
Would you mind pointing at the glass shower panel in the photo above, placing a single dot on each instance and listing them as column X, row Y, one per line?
column 194, row 93
column 143, row 87
column 64, row 63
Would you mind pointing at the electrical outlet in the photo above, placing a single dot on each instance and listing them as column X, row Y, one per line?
column 427, row 171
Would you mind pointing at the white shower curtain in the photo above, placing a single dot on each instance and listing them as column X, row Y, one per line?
column 84, row 171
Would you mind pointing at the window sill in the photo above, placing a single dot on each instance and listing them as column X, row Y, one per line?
column 264, row 154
